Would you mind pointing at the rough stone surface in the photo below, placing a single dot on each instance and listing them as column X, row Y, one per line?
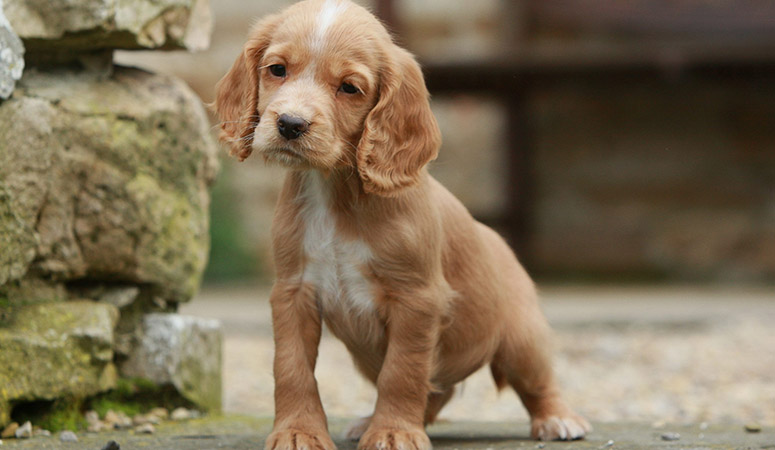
column 55, row 349
column 11, row 56
column 183, row 351
column 84, row 25
column 104, row 177
column 239, row 432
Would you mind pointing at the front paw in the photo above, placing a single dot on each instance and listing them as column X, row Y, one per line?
column 566, row 428
column 294, row 439
column 394, row 439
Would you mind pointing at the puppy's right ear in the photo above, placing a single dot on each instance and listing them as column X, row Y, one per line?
column 236, row 94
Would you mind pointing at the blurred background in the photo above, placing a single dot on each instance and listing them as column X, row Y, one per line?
column 629, row 141
column 626, row 150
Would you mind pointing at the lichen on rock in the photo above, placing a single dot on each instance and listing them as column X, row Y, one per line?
column 54, row 349
column 100, row 186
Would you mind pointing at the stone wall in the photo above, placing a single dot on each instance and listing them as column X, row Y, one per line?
column 104, row 200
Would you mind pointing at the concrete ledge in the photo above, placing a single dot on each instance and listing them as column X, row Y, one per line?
column 241, row 432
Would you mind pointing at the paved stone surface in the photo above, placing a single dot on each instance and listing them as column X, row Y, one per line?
column 241, row 432
column 637, row 354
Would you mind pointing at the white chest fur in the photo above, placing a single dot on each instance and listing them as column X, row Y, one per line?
column 334, row 265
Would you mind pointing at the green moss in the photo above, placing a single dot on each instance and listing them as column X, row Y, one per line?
column 5, row 311
column 62, row 414
column 103, row 405
column 177, row 251
column 135, row 396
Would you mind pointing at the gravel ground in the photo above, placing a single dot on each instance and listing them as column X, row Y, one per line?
column 662, row 355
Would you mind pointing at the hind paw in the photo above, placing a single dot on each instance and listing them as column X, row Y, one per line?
column 356, row 428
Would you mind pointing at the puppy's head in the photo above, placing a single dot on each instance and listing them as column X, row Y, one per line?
column 322, row 86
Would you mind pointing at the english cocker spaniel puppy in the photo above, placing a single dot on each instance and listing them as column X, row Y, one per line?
column 365, row 240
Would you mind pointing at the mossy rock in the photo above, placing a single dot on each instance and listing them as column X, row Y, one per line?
column 105, row 176
column 53, row 350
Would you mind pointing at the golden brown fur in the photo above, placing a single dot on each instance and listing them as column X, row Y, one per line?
column 366, row 241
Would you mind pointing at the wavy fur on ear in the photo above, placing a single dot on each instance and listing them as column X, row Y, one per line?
column 236, row 94
column 400, row 134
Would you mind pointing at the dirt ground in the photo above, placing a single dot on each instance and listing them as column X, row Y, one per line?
column 666, row 355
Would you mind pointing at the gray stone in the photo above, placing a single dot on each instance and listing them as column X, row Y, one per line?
column 86, row 25
column 183, row 351
column 105, row 178
column 146, row 428
column 671, row 436
column 181, row 414
column 56, row 349
column 121, row 297
column 24, row 431
column 111, row 445
column 68, row 436
column 11, row 56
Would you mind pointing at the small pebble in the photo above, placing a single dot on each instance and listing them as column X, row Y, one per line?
column 540, row 445
column 140, row 419
column 608, row 444
column 41, row 432
column 68, row 436
column 670, row 436
column 180, row 414
column 111, row 445
column 753, row 427
column 123, row 421
column 145, row 429
column 10, row 430
column 96, row 427
column 24, row 431
column 161, row 413
column 704, row 426
column 110, row 417
column 117, row 419
column 91, row 416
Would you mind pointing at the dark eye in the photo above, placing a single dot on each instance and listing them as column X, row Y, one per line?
column 277, row 70
column 348, row 88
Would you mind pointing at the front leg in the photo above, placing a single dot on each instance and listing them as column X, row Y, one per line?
column 300, row 422
column 403, row 384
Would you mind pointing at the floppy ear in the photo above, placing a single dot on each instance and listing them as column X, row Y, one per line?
column 400, row 135
column 236, row 94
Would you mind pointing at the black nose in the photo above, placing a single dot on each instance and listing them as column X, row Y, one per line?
column 291, row 127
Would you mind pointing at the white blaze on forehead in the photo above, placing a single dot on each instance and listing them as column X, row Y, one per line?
column 327, row 15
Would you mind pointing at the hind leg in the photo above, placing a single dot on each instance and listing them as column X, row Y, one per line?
column 523, row 361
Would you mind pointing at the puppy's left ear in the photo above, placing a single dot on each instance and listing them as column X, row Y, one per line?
column 400, row 135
